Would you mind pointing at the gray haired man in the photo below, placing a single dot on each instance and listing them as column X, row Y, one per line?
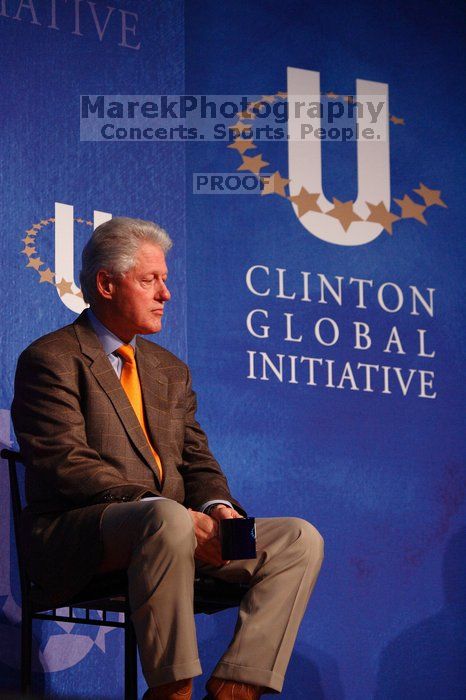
column 119, row 476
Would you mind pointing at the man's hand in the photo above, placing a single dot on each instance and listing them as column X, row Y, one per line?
column 206, row 530
column 223, row 512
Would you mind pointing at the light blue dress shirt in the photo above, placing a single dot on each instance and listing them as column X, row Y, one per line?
column 110, row 343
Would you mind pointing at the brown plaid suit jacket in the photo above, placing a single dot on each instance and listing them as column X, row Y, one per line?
column 83, row 447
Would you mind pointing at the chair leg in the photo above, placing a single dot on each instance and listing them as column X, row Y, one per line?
column 131, row 661
column 26, row 650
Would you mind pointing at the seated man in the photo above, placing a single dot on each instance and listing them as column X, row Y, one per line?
column 119, row 476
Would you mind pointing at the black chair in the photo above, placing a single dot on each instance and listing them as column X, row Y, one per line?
column 107, row 594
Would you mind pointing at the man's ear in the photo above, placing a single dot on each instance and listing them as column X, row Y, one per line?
column 105, row 284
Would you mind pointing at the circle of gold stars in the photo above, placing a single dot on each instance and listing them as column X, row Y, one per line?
column 46, row 275
column 306, row 201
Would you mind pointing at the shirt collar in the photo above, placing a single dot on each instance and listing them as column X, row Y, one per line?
column 110, row 341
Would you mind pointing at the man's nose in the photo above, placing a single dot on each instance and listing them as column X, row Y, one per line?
column 163, row 293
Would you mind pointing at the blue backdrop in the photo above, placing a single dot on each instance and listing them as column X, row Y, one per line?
column 377, row 466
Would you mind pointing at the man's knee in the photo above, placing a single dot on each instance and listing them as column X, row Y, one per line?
column 168, row 522
column 307, row 537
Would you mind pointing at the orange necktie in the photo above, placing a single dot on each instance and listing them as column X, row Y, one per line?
column 132, row 386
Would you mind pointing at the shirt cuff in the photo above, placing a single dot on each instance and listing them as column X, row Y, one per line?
column 205, row 506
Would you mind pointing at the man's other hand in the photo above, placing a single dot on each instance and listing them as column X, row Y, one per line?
column 206, row 530
column 223, row 512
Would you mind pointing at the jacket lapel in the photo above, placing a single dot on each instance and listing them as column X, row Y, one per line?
column 154, row 385
column 105, row 375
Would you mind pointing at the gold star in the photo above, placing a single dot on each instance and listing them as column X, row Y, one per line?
column 343, row 211
column 63, row 287
column 37, row 226
column 35, row 263
column 89, row 223
column 411, row 210
column 240, row 126
column 242, row 145
column 252, row 163
column 44, row 222
column 29, row 250
column 31, row 231
column 306, row 201
column 79, row 294
column 46, row 275
column 275, row 184
column 246, row 115
column 381, row 215
column 52, row 221
column 282, row 94
column 28, row 239
column 79, row 220
column 254, row 105
column 429, row 196
column 332, row 95
column 268, row 98
column 397, row 120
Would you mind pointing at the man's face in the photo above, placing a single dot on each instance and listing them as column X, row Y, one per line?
column 138, row 299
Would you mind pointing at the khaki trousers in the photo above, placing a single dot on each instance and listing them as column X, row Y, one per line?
column 155, row 542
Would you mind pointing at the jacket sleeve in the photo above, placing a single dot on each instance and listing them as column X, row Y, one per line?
column 203, row 478
column 51, row 432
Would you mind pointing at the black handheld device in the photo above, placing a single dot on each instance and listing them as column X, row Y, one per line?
column 238, row 538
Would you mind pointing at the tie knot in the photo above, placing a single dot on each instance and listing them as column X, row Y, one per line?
column 126, row 352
